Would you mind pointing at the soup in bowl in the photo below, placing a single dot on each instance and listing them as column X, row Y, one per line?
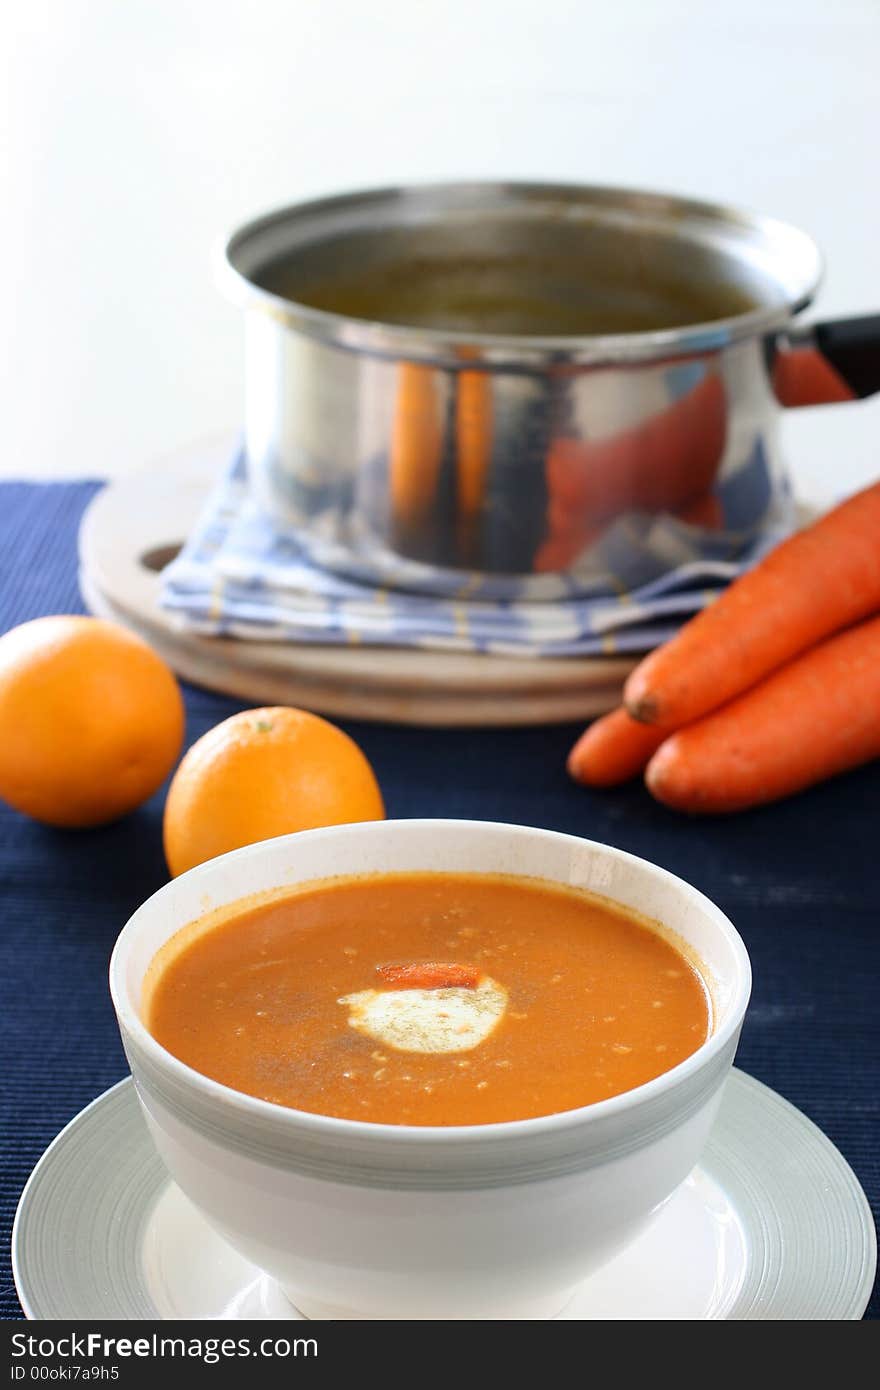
column 429, row 1068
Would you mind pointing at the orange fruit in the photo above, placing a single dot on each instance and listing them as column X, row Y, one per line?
column 262, row 773
column 91, row 720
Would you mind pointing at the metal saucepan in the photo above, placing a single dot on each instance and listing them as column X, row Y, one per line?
column 526, row 389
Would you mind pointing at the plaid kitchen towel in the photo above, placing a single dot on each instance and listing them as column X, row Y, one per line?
column 239, row 576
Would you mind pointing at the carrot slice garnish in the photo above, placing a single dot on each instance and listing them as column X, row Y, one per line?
column 429, row 975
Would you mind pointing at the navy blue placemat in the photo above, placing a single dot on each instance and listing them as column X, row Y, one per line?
column 800, row 880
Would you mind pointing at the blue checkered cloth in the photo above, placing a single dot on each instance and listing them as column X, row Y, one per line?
column 239, row 576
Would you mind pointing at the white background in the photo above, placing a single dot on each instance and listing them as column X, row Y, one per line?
column 136, row 131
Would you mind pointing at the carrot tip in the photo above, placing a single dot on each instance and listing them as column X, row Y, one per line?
column 643, row 709
column 572, row 765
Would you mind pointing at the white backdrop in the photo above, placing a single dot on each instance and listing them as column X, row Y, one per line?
column 136, row 131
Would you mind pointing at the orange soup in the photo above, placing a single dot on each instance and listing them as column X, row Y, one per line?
column 428, row 998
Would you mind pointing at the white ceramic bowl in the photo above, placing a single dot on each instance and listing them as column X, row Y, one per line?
column 485, row 1221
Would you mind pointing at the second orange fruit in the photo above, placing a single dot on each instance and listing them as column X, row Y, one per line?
column 91, row 720
column 262, row 773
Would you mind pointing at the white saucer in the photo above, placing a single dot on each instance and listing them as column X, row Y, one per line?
column 772, row 1225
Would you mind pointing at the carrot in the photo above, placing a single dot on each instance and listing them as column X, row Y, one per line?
column 473, row 425
column 659, row 465
column 560, row 552
column 612, row 750
column 814, row 718
column 704, row 511
column 802, row 376
column 415, row 445
column 429, row 975
column 473, row 438
column 820, row 580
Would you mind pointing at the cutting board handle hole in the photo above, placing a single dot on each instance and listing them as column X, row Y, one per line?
column 160, row 556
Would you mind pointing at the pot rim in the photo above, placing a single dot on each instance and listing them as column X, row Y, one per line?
column 738, row 230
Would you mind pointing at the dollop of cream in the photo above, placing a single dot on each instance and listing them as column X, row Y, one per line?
column 428, row 1020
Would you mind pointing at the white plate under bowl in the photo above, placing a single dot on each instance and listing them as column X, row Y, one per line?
column 772, row 1225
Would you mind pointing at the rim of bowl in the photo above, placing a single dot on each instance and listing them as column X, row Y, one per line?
column 449, row 1135
column 441, row 345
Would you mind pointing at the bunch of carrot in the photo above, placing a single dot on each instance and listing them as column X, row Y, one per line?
column 773, row 687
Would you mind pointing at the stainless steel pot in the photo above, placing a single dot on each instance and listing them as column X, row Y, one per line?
column 446, row 458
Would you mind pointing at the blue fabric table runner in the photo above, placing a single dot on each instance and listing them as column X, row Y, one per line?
column 800, row 880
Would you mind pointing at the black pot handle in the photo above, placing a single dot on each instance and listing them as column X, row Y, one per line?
column 834, row 361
